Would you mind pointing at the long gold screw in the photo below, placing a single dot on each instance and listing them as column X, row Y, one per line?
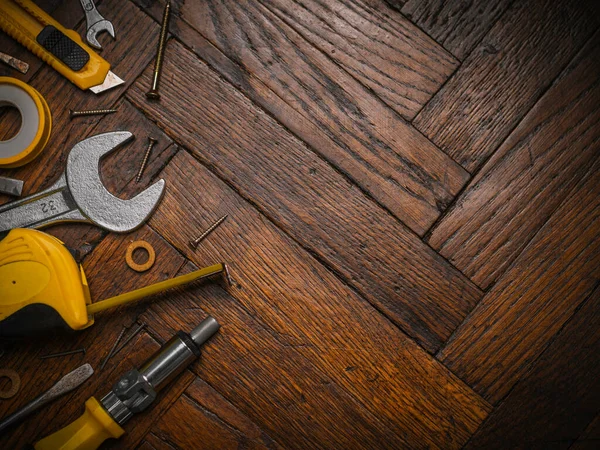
column 195, row 242
column 90, row 112
column 160, row 53
column 151, row 142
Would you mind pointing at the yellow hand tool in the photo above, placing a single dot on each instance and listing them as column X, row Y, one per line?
column 43, row 288
column 61, row 48
column 132, row 394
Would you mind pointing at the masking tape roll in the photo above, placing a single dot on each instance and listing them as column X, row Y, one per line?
column 36, row 123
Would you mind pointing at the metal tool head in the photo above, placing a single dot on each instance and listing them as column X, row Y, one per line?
column 97, row 28
column 93, row 200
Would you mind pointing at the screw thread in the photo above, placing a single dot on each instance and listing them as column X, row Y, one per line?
column 151, row 142
column 162, row 41
column 194, row 243
column 91, row 112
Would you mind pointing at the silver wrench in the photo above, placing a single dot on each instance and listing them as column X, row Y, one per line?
column 96, row 24
column 79, row 195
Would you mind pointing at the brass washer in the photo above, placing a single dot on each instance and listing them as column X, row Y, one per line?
column 129, row 256
column 15, row 381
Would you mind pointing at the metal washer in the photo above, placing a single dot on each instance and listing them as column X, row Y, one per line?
column 129, row 256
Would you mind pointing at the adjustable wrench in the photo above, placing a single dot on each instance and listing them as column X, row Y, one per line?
column 96, row 24
column 79, row 195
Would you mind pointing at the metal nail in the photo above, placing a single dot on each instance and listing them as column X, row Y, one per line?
column 91, row 112
column 112, row 350
column 151, row 142
column 57, row 355
column 160, row 53
column 195, row 242
column 128, row 339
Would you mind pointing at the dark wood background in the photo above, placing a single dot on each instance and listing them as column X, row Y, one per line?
column 413, row 234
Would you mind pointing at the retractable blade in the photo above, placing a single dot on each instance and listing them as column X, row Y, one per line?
column 63, row 49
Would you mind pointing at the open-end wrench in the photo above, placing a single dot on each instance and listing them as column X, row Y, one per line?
column 79, row 195
column 96, row 24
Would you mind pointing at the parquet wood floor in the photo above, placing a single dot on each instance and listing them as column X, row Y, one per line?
column 413, row 191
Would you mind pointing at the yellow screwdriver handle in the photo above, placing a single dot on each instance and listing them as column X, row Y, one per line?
column 86, row 433
column 63, row 49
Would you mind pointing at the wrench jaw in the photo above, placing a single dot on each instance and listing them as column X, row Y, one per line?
column 93, row 199
column 79, row 195
column 97, row 28
column 123, row 216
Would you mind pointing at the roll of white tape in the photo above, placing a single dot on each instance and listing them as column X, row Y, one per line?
column 35, row 123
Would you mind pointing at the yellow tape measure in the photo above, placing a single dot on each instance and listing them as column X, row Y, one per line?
column 36, row 123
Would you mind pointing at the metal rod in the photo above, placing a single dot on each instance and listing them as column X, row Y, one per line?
column 112, row 350
column 57, row 355
column 151, row 142
column 194, row 243
column 128, row 339
column 160, row 54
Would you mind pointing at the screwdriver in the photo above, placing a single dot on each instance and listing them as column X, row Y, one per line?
column 132, row 393
column 66, row 384
column 43, row 288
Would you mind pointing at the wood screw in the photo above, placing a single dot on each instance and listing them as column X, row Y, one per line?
column 151, row 142
column 195, row 242
column 91, row 112
column 153, row 94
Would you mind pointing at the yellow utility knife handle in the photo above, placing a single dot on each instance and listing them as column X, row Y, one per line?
column 61, row 48
column 86, row 433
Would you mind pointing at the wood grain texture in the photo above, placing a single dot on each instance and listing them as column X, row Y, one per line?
column 311, row 200
column 393, row 58
column 523, row 183
column 504, row 76
column 350, row 127
column 457, row 25
column 107, row 275
column 307, row 309
column 190, row 424
column 276, row 385
column 558, row 397
column 515, row 321
column 590, row 438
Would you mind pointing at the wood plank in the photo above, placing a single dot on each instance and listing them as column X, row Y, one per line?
column 270, row 379
column 590, row 438
column 189, row 422
column 393, row 58
column 524, row 182
column 307, row 309
column 504, row 76
column 208, row 398
column 325, row 106
column 404, row 278
column 562, row 388
column 107, row 275
column 515, row 321
column 457, row 25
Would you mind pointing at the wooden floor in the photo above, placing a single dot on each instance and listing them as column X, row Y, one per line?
column 413, row 191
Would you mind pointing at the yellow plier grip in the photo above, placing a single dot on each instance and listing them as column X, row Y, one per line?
column 63, row 49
